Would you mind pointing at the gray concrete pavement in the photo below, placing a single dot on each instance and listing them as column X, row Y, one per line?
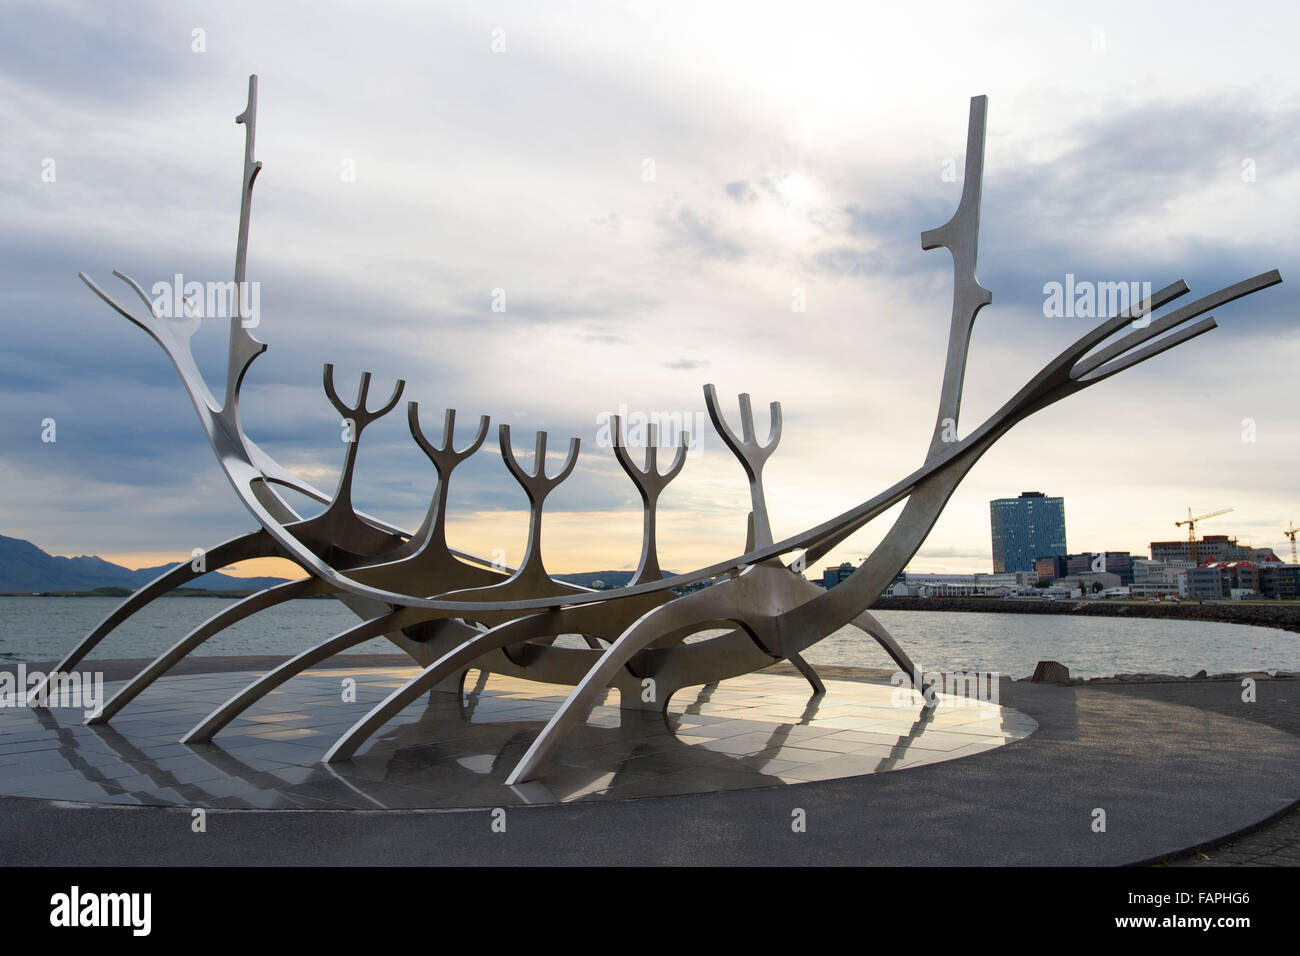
column 1173, row 766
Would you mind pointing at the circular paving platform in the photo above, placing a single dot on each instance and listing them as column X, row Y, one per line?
column 1172, row 766
column 448, row 750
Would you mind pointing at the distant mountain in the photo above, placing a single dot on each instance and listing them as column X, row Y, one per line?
column 600, row 580
column 25, row 568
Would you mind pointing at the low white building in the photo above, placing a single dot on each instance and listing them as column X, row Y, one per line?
column 961, row 585
column 1160, row 573
column 1152, row 590
column 1084, row 582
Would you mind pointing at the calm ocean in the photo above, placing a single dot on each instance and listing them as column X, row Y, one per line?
column 44, row 629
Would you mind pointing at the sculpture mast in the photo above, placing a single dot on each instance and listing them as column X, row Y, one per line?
column 243, row 347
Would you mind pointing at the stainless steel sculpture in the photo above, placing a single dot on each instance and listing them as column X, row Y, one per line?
column 451, row 611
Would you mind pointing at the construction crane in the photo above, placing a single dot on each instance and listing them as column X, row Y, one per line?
column 1291, row 532
column 1191, row 529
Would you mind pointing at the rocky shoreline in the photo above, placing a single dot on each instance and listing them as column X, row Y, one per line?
column 845, row 672
column 1283, row 616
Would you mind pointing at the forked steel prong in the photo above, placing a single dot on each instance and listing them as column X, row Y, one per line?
column 357, row 418
column 1162, row 325
column 650, row 484
column 751, row 454
column 1139, row 356
column 432, row 532
column 444, row 456
column 358, row 414
column 537, row 486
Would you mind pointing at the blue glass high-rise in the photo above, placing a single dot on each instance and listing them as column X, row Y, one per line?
column 1025, row 529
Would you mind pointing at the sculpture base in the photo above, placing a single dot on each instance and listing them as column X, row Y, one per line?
column 455, row 750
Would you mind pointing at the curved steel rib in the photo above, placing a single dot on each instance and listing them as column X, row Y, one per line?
column 455, row 660
column 530, row 628
column 588, row 620
column 644, row 632
column 868, row 623
column 241, row 701
column 810, row 675
column 209, row 628
column 256, row 544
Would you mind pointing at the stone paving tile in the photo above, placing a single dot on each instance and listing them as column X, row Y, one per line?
column 842, row 765
column 837, row 744
column 798, row 755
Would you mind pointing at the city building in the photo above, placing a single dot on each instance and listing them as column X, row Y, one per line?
column 1052, row 567
column 1280, row 582
column 1204, row 584
column 1146, row 571
column 1212, row 547
column 1090, row 582
column 1153, row 579
column 1025, row 529
column 1056, row 566
column 961, row 585
column 833, row 576
column 1239, row 577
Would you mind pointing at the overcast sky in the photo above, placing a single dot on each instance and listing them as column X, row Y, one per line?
column 793, row 147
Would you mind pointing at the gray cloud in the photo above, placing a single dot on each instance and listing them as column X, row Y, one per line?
column 850, row 261
column 741, row 191
column 1046, row 218
column 691, row 234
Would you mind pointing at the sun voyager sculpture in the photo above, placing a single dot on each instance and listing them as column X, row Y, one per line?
column 452, row 611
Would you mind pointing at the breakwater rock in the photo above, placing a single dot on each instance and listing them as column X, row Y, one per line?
column 1283, row 616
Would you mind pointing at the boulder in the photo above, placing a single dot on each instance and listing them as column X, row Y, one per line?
column 1050, row 672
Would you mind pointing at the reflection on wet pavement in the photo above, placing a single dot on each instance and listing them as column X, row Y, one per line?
column 448, row 750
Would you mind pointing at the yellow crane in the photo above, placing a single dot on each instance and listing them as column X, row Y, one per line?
column 1291, row 532
column 1191, row 528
